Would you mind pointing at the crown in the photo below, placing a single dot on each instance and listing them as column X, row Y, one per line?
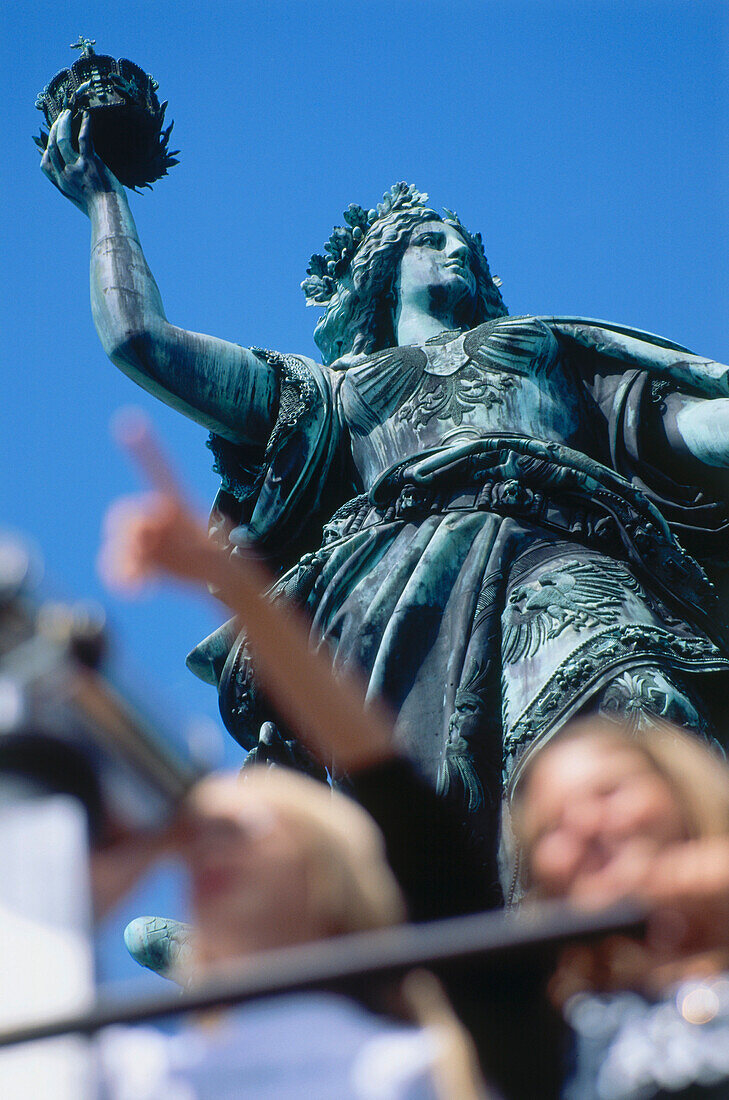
column 326, row 271
column 126, row 115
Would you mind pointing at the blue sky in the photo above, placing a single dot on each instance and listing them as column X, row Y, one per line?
column 587, row 142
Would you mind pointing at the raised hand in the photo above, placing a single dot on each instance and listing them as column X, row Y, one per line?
column 78, row 175
column 687, row 890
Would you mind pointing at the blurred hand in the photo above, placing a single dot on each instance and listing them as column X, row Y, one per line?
column 150, row 534
column 158, row 533
column 686, row 888
column 155, row 532
column 617, row 962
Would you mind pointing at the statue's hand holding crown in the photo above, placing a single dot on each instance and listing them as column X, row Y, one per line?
column 78, row 174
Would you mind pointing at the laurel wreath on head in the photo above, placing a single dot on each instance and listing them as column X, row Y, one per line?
column 326, row 271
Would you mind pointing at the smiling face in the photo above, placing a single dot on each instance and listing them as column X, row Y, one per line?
column 435, row 270
column 594, row 815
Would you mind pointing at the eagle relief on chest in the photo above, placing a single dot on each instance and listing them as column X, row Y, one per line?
column 464, row 371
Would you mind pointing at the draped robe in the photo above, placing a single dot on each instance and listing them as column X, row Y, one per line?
column 509, row 542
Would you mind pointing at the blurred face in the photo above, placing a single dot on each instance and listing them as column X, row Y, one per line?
column 595, row 813
column 248, row 875
column 435, row 270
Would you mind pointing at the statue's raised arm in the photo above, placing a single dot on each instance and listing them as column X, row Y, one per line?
column 225, row 387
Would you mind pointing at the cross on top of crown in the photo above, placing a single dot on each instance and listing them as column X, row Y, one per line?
column 86, row 45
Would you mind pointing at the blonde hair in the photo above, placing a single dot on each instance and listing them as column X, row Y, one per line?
column 350, row 885
column 351, row 889
column 694, row 770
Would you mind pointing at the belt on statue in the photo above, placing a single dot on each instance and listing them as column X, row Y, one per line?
column 615, row 519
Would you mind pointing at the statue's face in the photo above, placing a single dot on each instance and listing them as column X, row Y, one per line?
column 435, row 269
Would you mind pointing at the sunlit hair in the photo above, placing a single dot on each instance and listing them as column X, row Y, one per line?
column 694, row 771
column 350, row 887
column 360, row 317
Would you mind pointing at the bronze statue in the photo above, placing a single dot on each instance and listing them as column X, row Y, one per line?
column 501, row 521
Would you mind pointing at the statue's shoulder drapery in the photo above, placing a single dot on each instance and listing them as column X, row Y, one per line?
column 627, row 374
column 278, row 496
column 274, row 491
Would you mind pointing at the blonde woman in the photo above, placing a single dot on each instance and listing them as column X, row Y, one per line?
column 277, row 860
column 603, row 813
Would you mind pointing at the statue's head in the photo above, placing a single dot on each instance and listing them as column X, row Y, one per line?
column 359, row 280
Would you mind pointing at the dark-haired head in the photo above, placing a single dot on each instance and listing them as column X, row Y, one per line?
column 359, row 319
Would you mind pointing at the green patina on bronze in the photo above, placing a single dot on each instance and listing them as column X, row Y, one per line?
column 127, row 119
column 501, row 521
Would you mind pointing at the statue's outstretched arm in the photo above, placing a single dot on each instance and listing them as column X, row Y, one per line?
column 701, row 427
column 221, row 385
column 697, row 419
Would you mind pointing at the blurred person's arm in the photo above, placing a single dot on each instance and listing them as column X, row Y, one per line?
column 116, row 867
column 441, row 865
column 159, row 534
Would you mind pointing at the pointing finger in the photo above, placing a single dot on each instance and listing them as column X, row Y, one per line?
column 53, row 131
column 134, row 434
column 47, row 166
column 53, row 163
